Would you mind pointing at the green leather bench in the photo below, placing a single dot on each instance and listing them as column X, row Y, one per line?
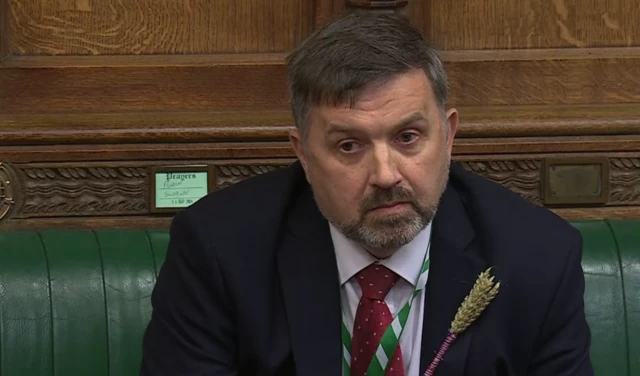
column 78, row 302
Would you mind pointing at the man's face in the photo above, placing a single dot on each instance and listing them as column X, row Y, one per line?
column 378, row 170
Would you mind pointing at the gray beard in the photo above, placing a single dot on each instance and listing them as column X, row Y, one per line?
column 391, row 232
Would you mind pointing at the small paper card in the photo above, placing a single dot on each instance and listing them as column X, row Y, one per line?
column 174, row 188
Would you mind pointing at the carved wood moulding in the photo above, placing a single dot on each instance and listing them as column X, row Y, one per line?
column 232, row 174
column 7, row 190
column 521, row 175
column 625, row 181
column 102, row 190
column 526, row 177
column 83, row 191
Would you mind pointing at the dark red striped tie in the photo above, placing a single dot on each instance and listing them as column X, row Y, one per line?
column 372, row 319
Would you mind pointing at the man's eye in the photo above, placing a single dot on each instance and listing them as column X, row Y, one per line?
column 348, row 147
column 408, row 137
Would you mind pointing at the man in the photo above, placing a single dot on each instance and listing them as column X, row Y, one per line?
column 301, row 271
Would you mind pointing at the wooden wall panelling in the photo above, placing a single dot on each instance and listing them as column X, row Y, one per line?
column 143, row 89
column 549, row 120
column 418, row 12
column 550, row 81
column 325, row 10
column 4, row 29
column 508, row 24
column 105, row 27
column 273, row 126
column 152, row 151
column 118, row 87
column 157, row 127
column 182, row 151
column 231, row 87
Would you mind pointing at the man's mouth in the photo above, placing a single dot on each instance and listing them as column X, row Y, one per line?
column 390, row 205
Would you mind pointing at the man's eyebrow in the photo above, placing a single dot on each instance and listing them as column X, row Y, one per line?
column 338, row 128
column 416, row 116
column 344, row 128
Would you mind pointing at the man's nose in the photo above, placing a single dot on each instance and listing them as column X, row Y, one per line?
column 385, row 173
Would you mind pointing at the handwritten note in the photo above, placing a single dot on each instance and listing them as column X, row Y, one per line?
column 180, row 189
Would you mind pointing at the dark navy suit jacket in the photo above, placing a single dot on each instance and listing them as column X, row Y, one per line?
column 250, row 285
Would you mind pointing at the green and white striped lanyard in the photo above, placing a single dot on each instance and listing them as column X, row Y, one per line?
column 391, row 335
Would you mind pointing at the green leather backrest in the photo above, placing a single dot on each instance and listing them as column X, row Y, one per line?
column 78, row 302
column 604, row 299
column 627, row 235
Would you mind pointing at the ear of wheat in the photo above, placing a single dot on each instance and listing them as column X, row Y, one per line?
column 482, row 293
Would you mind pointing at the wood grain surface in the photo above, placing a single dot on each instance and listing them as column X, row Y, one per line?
column 509, row 24
column 94, row 93
column 418, row 12
column 558, row 82
column 263, row 87
column 488, row 147
column 4, row 29
column 112, row 27
column 99, row 90
column 261, row 126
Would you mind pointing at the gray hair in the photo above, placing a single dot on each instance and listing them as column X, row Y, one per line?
column 335, row 63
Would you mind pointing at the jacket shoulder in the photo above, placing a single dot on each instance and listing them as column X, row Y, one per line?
column 497, row 209
column 246, row 207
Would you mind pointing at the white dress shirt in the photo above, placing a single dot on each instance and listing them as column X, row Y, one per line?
column 407, row 263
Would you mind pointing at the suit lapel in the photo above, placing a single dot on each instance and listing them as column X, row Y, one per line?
column 311, row 288
column 455, row 265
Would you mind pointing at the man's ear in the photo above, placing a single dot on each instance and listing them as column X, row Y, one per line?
column 297, row 143
column 452, row 120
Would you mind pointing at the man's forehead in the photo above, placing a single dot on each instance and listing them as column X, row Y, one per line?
column 365, row 111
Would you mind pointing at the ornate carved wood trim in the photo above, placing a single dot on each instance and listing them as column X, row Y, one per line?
column 59, row 190
column 520, row 175
column 54, row 192
column 227, row 175
column 625, row 181
column 8, row 190
column 51, row 191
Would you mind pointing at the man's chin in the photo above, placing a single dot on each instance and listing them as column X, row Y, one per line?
column 386, row 222
column 387, row 236
column 399, row 227
column 388, row 241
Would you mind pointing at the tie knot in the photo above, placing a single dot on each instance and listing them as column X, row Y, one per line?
column 376, row 280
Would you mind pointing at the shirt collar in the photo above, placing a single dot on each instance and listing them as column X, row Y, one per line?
column 406, row 261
